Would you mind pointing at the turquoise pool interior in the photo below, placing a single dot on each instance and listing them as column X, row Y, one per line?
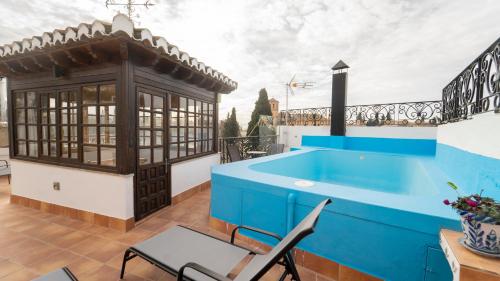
column 387, row 197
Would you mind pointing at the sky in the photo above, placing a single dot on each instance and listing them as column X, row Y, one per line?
column 397, row 50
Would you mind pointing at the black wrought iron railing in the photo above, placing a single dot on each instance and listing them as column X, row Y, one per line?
column 476, row 89
column 244, row 145
column 422, row 113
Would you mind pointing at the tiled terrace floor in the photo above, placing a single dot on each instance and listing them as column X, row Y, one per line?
column 33, row 243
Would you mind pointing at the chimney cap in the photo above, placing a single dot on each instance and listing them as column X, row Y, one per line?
column 340, row 65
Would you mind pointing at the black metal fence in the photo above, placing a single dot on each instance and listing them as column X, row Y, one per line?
column 245, row 144
column 423, row 113
column 476, row 89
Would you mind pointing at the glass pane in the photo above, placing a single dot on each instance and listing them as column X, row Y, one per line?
column 191, row 120
column 32, row 116
column 158, row 138
column 210, row 134
column 63, row 99
column 73, row 116
column 198, row 106
column 32, row 133
column 64, row 133
column 45, row 132
column 73, row 134
column 182, row 104
column 158, row 103
column 21, row 132
column 205, row 146
column 89, row 95
column 108, row 135
column 199, row 120
column 44, row 100
column 198, row 147
column 74, row 150
column 144, row 138
column 204, row 108
column 144, row 119
column 191, row 134
column 173, row 135
column 72, row 99
column 45, row 116
column 174, row 102
column 21, row 148
column 33, row 149
column 52, row 100
column 53, row 149
column 52, row 132
column 158, row 120
column 158, row 155
column 64, row 116
column 182, row 149
column 20, row 116
column 173, row 151
column 90, row 155
column 144, row 156
column 89, row 114
column 174, row 118
column 210, row 145
column 182, row 119
column 52, row 117
column 144, row 101
column 90, row 135
column 108, row 156
column 198, row 134
column 210, row 108
column 182, row 134
column 191, row 148
column 64, row 150
column 107, row 94
column 190, row 105
column 107, row 114
column 19, row 99
column 31, row 99
column 45, row 148
column 210, row 121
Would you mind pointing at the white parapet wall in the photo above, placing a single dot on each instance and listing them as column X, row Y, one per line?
column 190, row 173
column 479, row 135
column 291, row 136
column 97, row 192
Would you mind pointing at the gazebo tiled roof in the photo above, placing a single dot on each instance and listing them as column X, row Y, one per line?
column 11, row 55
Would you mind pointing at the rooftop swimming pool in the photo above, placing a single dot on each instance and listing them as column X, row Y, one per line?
column 387, row 205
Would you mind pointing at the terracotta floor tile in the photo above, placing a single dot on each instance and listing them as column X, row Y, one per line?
column 53, row 262
column 83, row 266
column 20, row 275
column 98, row 248
column 7, row 267
column 107, row 273
column 70, row 239
column 29, row 257
column 134, row 236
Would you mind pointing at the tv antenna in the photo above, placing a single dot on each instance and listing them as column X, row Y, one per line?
column 289, row 89
column 130, row 5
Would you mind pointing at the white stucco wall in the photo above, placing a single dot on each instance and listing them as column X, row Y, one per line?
column 102, row 193
column 291, row 136
column 480, row 135
column 190, row 173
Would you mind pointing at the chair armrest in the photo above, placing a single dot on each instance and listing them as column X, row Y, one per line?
column 270, row 234
column 5, row 163
column 201, row 269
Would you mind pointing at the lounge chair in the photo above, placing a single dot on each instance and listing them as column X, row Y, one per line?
column 62, row 274
column 276, row 148
column 5, row 169
column 234, row 152
column 192, row 255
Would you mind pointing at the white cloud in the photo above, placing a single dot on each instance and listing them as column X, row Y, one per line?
column 397, row 50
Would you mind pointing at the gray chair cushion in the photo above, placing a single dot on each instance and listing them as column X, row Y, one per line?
column 57, row 275
column 179, row 245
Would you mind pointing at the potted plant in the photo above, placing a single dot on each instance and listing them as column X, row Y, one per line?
column 480, row 218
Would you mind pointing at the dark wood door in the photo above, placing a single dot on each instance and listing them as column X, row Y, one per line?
column 152, row 187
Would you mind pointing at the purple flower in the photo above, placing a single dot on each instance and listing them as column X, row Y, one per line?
column 446, row 202
column 471, row 203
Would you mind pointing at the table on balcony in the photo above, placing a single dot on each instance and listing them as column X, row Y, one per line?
column 466, row 265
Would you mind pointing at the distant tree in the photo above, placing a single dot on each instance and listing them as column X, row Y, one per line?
column 262, row 107
column 231, row 126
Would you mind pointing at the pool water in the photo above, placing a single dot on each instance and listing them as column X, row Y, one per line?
column 399, row 174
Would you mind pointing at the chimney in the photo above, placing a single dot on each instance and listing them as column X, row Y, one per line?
column 339, row 92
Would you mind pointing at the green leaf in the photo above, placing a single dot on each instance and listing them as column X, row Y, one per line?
column 452, row 185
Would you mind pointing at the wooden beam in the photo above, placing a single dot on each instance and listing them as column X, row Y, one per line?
column 124, row 54
column 76, row 57
column 59, row 60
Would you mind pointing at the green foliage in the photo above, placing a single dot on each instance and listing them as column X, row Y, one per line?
column 262, row 107
column 231, row 126
column 479, row 207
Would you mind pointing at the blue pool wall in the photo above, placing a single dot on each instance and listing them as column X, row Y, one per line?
column 385, row 145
